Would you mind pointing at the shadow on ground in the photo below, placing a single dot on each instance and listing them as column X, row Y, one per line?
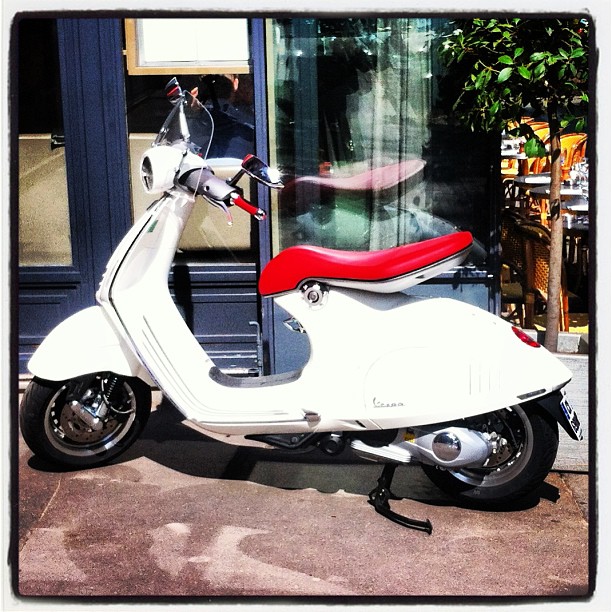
column 169, row 441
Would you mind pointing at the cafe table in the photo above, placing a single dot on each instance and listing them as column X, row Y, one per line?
column 576, row 204
column 567, row 191
column 529, row 181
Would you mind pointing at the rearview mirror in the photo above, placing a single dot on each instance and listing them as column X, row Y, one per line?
column 261, row 172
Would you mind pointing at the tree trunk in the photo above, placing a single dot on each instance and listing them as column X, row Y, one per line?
column 553, row 305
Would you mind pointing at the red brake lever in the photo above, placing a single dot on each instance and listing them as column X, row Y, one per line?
column 239, row 201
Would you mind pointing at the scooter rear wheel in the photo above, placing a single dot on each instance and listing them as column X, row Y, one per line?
column 53, row 429
column 516, row 470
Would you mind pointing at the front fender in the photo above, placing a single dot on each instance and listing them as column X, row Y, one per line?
column 84, row 343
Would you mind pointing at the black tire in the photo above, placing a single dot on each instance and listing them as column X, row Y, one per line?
column 533, row 439
column 55, row 433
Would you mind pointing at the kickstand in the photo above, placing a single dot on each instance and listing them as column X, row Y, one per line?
column 380, row 496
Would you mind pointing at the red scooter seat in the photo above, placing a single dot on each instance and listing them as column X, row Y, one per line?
column 377, row 271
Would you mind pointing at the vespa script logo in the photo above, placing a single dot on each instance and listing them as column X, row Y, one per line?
column 380, row 404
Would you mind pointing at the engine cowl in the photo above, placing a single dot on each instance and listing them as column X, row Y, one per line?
column 448, row 447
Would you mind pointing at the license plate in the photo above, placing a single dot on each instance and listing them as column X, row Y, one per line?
column 572, row 417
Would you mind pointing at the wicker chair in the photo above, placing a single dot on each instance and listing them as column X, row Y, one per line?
column 513, row 287
column 536, row 244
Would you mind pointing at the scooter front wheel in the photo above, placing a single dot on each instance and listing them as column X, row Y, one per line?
column 85, row 421
column 530, row 442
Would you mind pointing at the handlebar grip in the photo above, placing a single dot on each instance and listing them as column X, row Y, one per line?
column 239, row 201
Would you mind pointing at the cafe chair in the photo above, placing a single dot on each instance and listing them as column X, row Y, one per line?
column 513, row 288
column 538, row 125
column 536, row 244
column 578, row 151
column 576, row 256
column 542, row 131
column 533, row 123
column 571, row 145
column 509, row 170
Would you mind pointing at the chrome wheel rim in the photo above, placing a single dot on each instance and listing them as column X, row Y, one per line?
column 70, row 435
column 513, row 424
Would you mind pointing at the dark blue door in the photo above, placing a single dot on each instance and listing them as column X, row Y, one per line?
column 64, row 246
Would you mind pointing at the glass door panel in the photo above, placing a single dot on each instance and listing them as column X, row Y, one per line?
column 207, row 228
column 358, row 135
column 44, row 221
column 229, row 98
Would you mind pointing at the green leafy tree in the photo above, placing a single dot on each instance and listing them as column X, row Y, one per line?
column 498, row 67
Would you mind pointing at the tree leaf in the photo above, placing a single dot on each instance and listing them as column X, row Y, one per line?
column 538, row 56
column 534, row 147
column 505, row 59
column 481, row 79
column 539, row 70
column 524, row 72
column 504, row 75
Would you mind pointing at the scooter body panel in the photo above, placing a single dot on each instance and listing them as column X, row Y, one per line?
column 455, row 361
column 87, row 342
column 416, row 361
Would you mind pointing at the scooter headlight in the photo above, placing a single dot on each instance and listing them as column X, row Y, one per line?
column 158, row 168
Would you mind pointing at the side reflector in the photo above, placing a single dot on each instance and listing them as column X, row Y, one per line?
column 527, row 339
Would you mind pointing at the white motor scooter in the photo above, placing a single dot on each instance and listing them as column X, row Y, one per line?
column 400, row 379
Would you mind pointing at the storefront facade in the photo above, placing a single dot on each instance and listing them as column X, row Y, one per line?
column 350, row 99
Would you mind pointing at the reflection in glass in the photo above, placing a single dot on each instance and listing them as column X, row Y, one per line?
column 357, row 135
column 229, row 100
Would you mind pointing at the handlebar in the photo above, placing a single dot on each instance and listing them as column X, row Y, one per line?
column 239, row 201
column 202, row 180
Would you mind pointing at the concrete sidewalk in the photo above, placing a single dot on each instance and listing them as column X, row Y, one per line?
column 185, row 515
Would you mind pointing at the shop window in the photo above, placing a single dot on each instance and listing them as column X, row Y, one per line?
column 368, row 158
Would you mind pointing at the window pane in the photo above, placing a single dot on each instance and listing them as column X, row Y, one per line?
column 44, row 223
column 207, row 228
column 357, row 135
column 229, row 98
